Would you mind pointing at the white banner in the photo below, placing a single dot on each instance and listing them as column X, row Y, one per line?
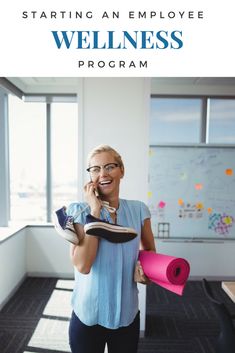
column 129, row 39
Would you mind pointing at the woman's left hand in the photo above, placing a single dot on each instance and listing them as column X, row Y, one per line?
column 139, row 275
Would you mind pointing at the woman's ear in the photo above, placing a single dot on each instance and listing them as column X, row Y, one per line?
column 122, row 171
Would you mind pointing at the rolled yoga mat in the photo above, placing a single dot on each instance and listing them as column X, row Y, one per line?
column 167, row 271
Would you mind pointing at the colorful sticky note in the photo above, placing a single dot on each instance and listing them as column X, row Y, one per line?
column 209, row 209
column 227, row 220
column 199, row 205
column 150, row 194
column 180, row 202
column 229, row 172
column 161, row 204
column 198, row 186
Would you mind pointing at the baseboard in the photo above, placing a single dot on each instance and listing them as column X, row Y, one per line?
column 212, row 278
column 50, row 274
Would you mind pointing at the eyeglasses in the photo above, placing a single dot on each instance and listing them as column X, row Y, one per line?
column 109, row 168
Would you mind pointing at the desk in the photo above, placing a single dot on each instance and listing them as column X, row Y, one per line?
column 229, row 288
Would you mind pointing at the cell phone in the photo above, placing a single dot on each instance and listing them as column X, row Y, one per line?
column 96, row 191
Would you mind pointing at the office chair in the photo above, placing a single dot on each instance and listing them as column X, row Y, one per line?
column 226, row 338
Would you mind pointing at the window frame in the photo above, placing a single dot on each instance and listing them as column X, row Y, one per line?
column 204, row 121
column 48, row 99
column 4, row 161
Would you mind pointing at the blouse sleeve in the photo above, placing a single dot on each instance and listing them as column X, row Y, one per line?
column 144, row 212
column 78, row 211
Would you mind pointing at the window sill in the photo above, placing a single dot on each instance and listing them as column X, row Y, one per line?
column 8, row 232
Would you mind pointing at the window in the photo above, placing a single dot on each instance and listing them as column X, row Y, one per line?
column 192, row 120
column 221, row 121
column 43, row 157
column 27, row 147
column 64, row 153
column 175, row 120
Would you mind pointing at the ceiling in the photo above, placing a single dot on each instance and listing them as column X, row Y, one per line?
column 37, row 85
column 66, row 85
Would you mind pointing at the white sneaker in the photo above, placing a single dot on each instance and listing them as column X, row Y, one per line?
column 64, row 225
column 111, row 232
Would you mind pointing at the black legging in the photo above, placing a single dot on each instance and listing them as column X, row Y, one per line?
column 92, row 339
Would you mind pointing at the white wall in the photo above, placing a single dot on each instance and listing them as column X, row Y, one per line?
column 115, row 111
column 47, row 254
column 36, row 251
column 207, row 259
column 12, row 264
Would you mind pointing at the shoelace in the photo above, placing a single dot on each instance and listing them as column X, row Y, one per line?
column 105, row 204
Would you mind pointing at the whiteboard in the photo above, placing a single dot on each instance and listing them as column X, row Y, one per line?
column 192, row 191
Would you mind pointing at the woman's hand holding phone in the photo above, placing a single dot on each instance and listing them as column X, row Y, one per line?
column 91, row 197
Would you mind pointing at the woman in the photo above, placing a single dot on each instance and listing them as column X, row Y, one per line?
column 105, row 296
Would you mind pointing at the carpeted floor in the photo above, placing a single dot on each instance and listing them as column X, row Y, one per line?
column 36, row 319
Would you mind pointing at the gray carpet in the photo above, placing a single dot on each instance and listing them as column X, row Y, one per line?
column 36, row 319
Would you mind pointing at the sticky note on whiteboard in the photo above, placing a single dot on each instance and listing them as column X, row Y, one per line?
column 229, row 172
column 180, row 202
column 161, row 204
column 199, row 205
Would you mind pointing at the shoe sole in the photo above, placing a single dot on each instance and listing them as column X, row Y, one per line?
column 67, row 234
column 112, row 233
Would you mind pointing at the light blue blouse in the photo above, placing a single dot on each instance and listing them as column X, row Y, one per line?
column 108, row 295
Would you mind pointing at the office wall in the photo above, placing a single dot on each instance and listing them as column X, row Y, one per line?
column 47, row 254
column 32, row 251
column 115, row 111
column 12, row 264
column 213, row 260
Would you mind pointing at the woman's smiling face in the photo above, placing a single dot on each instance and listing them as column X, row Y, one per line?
column 109, row 175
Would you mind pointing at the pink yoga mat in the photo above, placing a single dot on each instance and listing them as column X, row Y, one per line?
column 167, row 271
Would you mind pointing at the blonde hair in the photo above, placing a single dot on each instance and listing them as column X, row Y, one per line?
column 105, row 148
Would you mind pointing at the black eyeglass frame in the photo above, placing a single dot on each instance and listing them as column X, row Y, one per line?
column 104, row 166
